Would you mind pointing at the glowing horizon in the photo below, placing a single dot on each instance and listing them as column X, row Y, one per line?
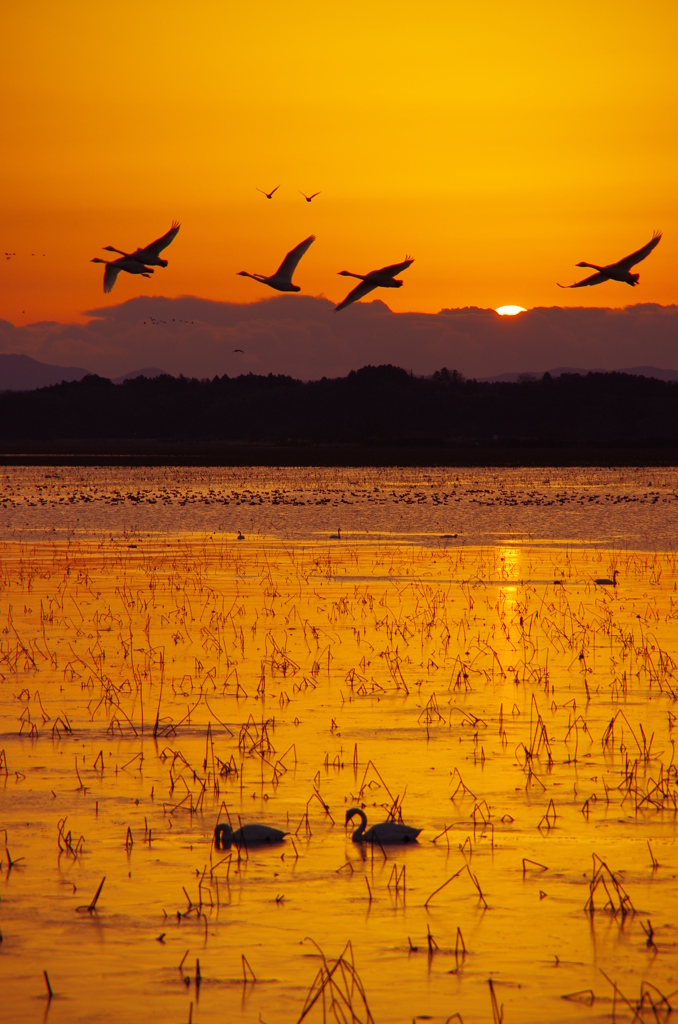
column 405, row 124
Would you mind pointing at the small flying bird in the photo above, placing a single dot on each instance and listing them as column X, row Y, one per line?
column 150, row 254
column 308, row 198
column 282, row 279
column 386, row 833
column 384, row 278
column 247, row 836
column 113, row 268
column 269, row 195
column 620, row 271
column 237, row 350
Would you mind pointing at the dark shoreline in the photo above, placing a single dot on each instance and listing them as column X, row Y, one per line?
column 376, row 416
column 156, row 453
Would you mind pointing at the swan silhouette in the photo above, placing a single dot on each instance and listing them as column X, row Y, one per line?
column 247, row 836
column 387, row 833
column 605, row 582
column 308, row 198
column 114, row 267
column 269, row 195
column 282, row 279
column 383, row 278
column 620, row 271
column 150, row 254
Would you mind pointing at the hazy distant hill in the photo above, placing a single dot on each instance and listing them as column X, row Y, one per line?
column 303, row 337
column 21, row 373
column 558, row 371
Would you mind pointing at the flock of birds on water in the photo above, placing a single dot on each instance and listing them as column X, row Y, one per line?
column 144, row 260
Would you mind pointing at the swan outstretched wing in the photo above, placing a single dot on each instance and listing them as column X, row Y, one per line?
column 593, row 279
column 639, row 254
column 155, row 248
column 360, row 290
column 111, row 275
column 289, row 264
column 395, row 268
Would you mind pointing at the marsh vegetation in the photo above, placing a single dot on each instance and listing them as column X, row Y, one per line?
column 157, row 683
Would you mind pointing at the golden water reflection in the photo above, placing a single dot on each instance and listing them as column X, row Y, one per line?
column 149, row 687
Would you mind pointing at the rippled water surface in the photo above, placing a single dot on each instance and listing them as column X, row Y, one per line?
column 158, row 675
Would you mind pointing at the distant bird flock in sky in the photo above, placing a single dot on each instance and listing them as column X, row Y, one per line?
column 143, row 260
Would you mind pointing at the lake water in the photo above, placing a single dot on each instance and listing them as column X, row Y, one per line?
column 449, row 659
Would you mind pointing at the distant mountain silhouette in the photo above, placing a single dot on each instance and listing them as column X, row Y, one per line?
column 21, row 373
column 558, row 371
column 301, row 337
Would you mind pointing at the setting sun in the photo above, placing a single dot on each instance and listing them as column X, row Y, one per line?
column 510, row 310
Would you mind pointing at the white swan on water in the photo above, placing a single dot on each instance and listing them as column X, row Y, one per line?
column 386, row 833
column 605, row 582
column 247, row 836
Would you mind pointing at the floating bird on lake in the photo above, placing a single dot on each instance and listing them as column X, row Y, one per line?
column 604, row 582
column 620, row 271
column 384, row 278
column 150, row 254
column 386, row 833
column 282, row 279
column 114, row 267
column 269, row 195
column 247, row 836
column 308, row 198
column 337, row 535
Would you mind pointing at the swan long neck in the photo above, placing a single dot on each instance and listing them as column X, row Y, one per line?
column 363, row 819
column 223, row 837
column 348, row 273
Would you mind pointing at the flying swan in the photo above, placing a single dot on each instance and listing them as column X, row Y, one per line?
column 384, row 278
column 620, row 271
column 150, row 254
column 282, row 279
column 113, row 268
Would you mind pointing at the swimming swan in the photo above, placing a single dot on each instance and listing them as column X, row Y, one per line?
column 247, row 836
column 386, row 833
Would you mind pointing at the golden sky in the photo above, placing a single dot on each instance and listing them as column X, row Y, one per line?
column 498, row 143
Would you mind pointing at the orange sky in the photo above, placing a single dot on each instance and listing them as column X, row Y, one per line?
column 497, row 143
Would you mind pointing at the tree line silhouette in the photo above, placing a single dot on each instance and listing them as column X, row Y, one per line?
column 374, row 406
